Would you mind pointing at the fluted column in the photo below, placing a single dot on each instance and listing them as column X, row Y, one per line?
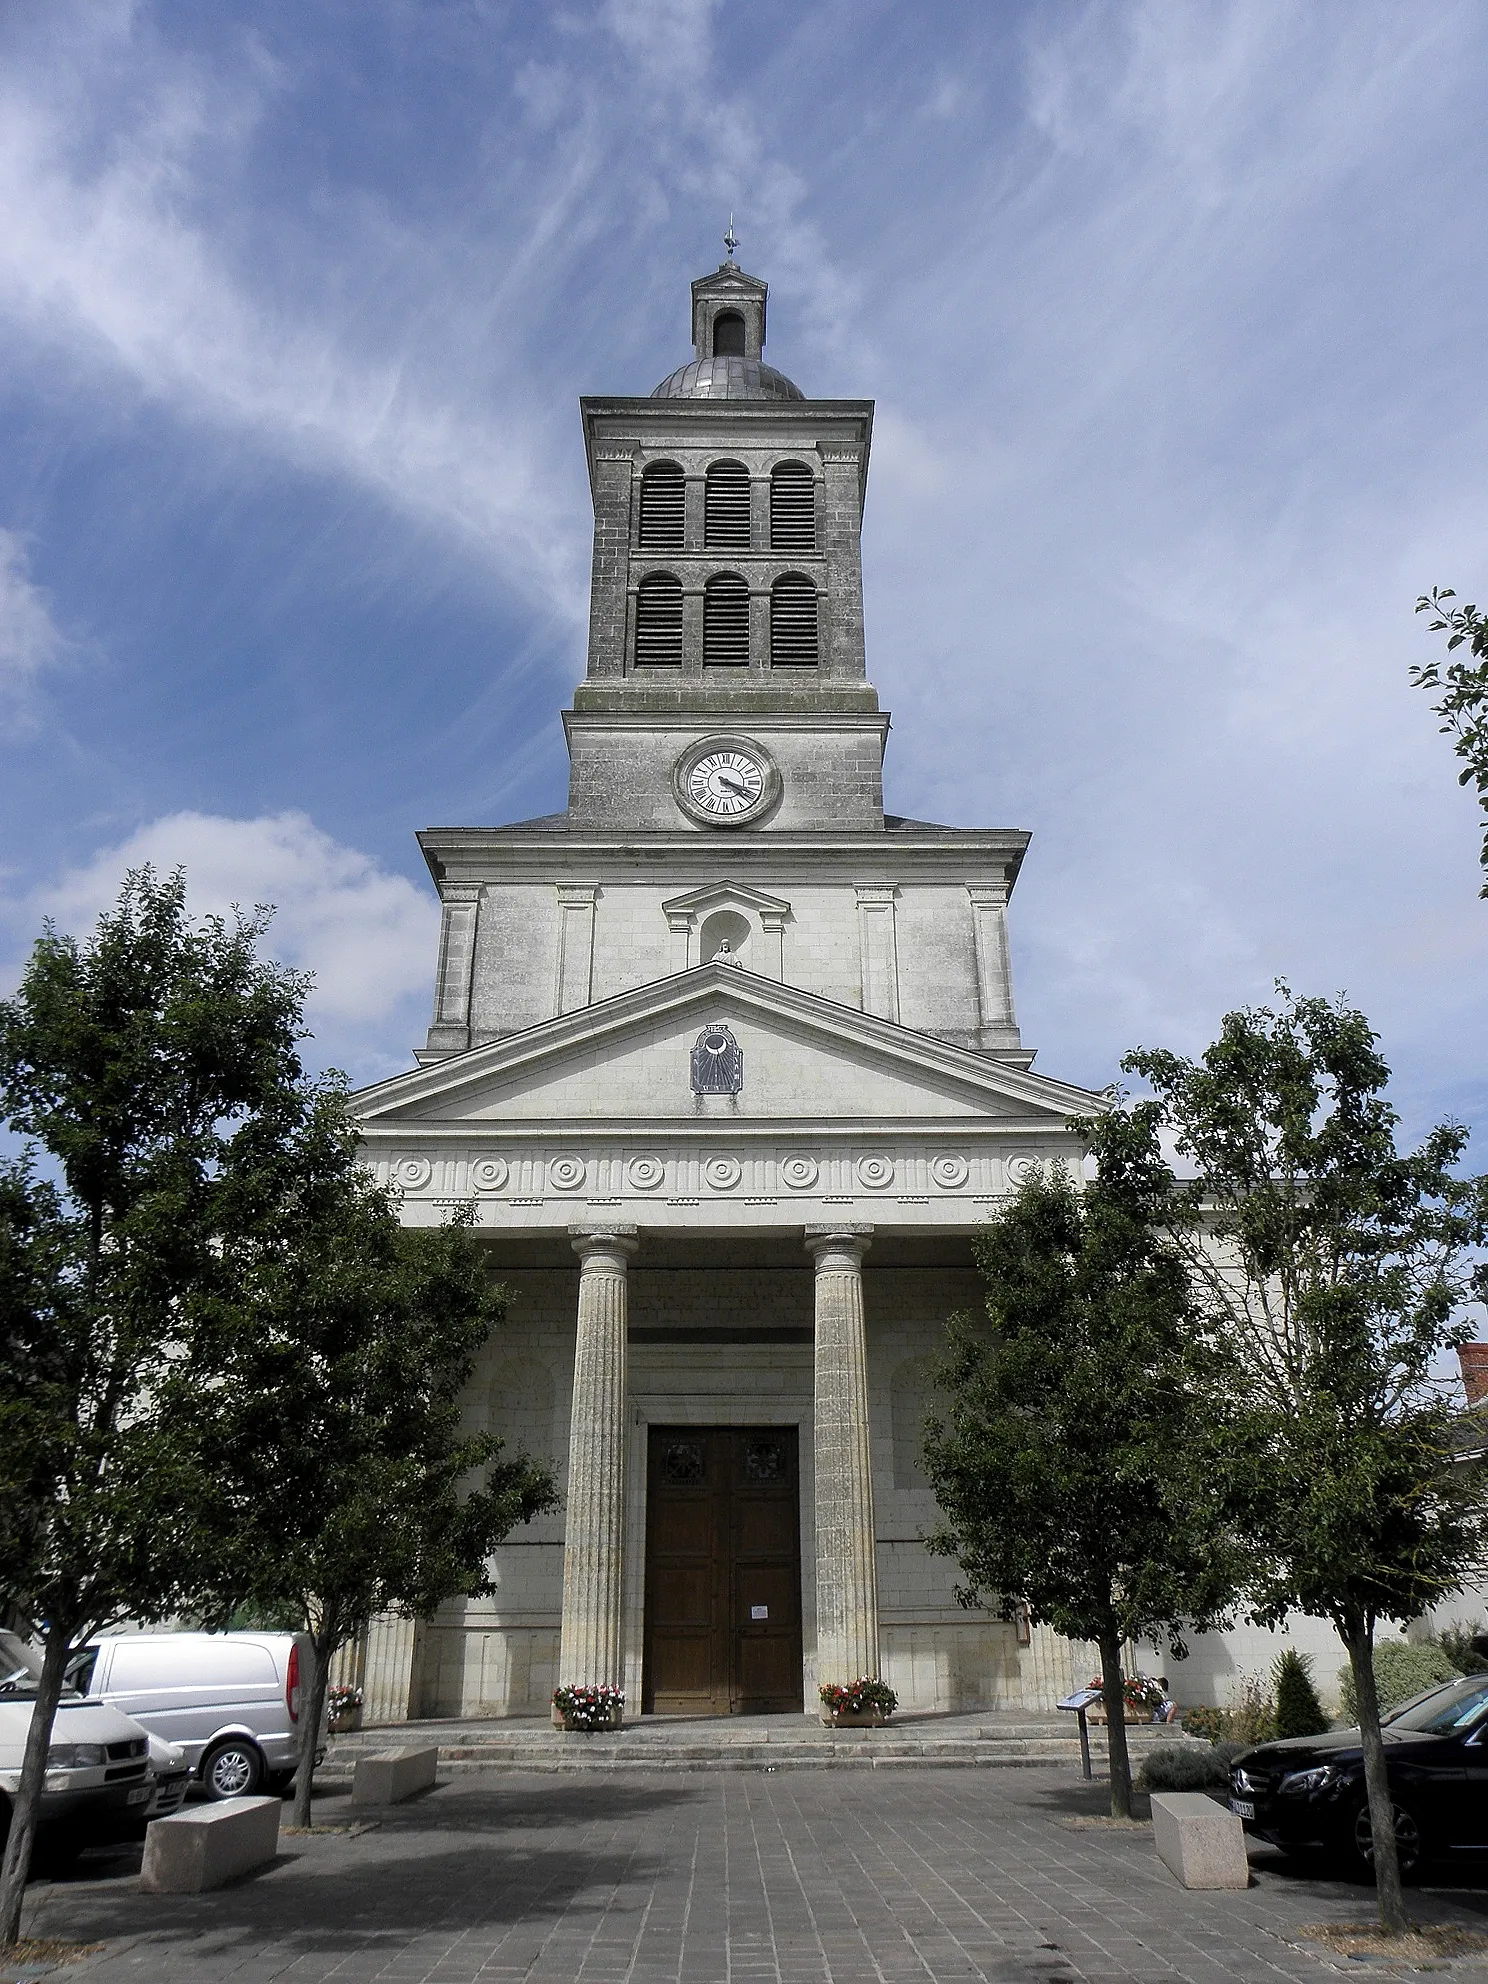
column 591, row 1653
column 846, row 1552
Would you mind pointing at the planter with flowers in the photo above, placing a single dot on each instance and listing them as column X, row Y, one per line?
column 344, row 1708
column 1143, row 1694
column 588, row 1709
column 861, row 1704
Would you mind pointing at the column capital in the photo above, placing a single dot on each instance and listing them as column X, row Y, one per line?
column 604, row 1246
column 838, row 1248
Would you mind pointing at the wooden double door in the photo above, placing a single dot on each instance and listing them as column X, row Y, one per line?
column 723, row 1571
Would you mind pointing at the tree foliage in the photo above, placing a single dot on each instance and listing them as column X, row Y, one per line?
column 1069, row 1468
column 1334, row 1268
column 356, row 1481
column 1463, row 688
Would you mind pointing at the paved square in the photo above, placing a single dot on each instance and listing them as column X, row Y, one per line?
column 729, row 1877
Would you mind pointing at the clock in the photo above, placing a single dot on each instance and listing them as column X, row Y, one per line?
column 725, row 781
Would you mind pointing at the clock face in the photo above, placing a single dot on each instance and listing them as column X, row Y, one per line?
column 726, row 782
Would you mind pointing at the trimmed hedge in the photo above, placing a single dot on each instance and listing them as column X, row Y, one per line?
column 1401, row 1669
column 1183, row 1767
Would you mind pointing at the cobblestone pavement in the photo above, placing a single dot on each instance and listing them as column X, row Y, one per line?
column 799, row 1877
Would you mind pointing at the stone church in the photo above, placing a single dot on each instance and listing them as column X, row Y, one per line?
column 726, row 1057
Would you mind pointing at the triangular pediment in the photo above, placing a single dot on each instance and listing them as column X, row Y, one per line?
column 627, row 1061
column 725, row 895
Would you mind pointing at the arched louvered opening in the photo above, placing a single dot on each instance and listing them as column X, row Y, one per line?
column 659, row 621
column 728, row 335
column 793, row 622
column 663, row 507
column 726, row 622
column 792, row 508
column 726, row 507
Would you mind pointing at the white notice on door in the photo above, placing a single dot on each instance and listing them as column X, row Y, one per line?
column 759, row 1611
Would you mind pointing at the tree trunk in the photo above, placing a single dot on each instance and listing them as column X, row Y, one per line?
column 1381, row 1806
column 1114, row 1693
column 312, row 1709
column 23, row 1807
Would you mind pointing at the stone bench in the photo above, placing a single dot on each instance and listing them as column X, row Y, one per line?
column 389, row 1776
column 208, row 1845
column 1198, row 1841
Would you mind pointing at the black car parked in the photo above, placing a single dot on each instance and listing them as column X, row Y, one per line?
column 1308, row 1792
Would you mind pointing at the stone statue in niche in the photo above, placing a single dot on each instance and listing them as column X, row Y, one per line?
column 717, row 1063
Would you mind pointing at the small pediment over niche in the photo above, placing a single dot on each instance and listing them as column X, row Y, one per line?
column 731, row 919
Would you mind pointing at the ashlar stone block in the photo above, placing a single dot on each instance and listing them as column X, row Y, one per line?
column 1198, row 1841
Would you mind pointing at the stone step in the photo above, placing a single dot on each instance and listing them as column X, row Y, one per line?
column 539, row 1747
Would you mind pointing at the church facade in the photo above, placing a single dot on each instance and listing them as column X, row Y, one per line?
column 727, row 1059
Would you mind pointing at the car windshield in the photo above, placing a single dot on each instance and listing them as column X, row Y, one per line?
column 20, row 1670
column 1445, row 1710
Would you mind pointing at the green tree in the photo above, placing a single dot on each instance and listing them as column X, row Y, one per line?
column 1335, row 1268
column 1298, row 1710
column 1464, row 693
column 156, row 1068
column 358, row 1489
column 1069, row 1468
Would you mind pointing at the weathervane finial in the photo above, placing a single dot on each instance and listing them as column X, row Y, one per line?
column 730, row 240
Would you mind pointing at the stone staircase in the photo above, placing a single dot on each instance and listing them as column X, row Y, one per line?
column 989, row 1737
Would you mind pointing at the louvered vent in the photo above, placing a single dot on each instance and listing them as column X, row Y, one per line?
column 726, row 507
column 663, row 507
column 792, row 508
column 726, row 622
column 793, row 622
column 659, row 622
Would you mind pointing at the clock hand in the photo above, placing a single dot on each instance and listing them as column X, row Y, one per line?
column 731, row 782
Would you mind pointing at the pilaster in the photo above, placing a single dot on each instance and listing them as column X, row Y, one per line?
column 451, row 1028
column 989, row 902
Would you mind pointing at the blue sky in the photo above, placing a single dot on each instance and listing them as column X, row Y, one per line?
column 1174, row 315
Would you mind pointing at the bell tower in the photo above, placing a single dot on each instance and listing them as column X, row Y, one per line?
column 726, row 686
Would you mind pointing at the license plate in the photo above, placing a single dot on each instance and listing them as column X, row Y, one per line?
column 1242, row 1808
column 139, row 1794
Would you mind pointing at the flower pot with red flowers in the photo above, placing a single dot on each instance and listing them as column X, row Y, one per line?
column 588, row 1709
column 862, row 1704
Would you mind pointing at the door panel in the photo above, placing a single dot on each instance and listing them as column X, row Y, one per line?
column 723, row 1576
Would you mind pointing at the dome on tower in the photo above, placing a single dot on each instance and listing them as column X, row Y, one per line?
column 727, row 378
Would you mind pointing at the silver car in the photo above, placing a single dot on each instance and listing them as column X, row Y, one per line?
column 230, row 1700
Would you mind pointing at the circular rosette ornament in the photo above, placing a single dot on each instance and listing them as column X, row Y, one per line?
column 412, row 1173
column 645, row 1174
column 489, row 1174
column 876, row 1171
column 799, row 1172
column 565, row 1174
column 949, row 1172
column 723, row 1173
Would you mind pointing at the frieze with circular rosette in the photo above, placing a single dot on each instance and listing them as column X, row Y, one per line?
column 489, row 1174
column 565, row 1174
column 412, row 1173
column 645, row 1174
column 722, row 1173
column 1022, row 1169
column 799, row 1172
column 949, row 1172
column 876, row 1171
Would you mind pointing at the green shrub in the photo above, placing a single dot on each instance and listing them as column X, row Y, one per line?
column 1228, row 1751
column 1181, row 1767
column 1298, row 1710
column 1212, row 1724
column 1456, row 1642
column 1402, row 1668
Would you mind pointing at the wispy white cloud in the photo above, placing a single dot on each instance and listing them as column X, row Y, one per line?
column 30, row 641
column 368, row 936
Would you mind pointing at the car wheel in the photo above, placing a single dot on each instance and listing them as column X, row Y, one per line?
column 1407, row 1839
column 233, row 1769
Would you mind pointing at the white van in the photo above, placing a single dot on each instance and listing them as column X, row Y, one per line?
column 230, row 1700
column 99, row 1766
